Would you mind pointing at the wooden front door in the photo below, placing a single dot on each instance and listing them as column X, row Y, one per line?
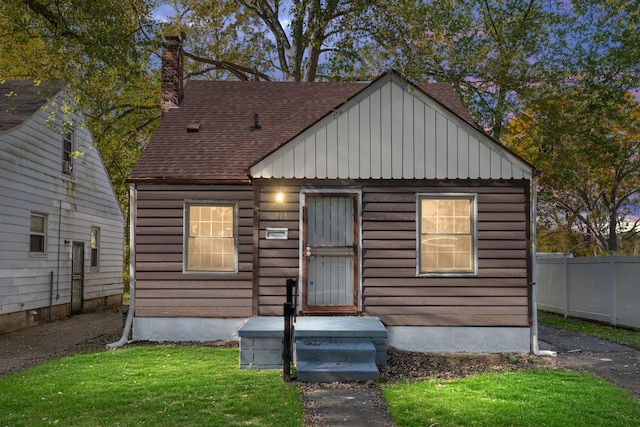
column 330, row 253
column 77, row 277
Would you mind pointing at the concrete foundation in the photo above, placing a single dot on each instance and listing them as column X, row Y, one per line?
column 183, row 329
column 452, row 339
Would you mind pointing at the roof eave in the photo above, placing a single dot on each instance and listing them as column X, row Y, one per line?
column 195, row 181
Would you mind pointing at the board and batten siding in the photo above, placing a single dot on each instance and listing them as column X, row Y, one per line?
column 31, row 181
column 162, row 288
column 498, row 296
column 392, row 131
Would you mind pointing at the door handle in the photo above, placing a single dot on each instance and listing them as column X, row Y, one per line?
column 308, row 251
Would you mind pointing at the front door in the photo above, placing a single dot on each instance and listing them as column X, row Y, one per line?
column 330, row 252
column 77, row 277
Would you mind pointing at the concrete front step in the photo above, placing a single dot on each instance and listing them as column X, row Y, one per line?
column 318, row 361
column 346, row 352
column 344, row 330
column 310, row 372
column 357, row 346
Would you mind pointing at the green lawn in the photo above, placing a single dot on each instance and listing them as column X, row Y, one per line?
column 149, row 385
column 523, row 398
column 165, row 385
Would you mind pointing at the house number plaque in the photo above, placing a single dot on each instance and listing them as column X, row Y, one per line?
column 277, row 215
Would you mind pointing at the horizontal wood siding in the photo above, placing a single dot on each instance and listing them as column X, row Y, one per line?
column 498, row 296
column 276, row 260
column 31, row 181
column 162, row 289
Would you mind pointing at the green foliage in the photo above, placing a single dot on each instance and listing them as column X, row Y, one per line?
column 586, row 141
column 581, row 128
column 104, row 50
column 522, row 398
column 159, row 385
column 561, row 69
column 491, row 51
column 262, row 39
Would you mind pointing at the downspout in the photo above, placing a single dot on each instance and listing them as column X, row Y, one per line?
column 59, row 239
column 132, row 270
column 534, row 315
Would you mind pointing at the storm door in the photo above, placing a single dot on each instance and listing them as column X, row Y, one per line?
column 330, row 253
column 77, row 277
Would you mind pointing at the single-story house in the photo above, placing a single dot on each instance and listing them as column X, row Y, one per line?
column 383, row 199
column 61, row 225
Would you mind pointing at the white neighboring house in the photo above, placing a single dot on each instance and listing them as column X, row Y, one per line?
column 61, row 226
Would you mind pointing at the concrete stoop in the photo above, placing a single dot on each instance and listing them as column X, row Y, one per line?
column 326, row 349
column 331, row 362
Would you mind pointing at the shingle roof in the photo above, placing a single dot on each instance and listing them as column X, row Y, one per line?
column 19, row 99
column 224, row 147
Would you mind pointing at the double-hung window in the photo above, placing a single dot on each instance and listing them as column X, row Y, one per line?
column 38, row 234
column 211, row 237
column 95, row 247
column 447, row 234
column 68, row 148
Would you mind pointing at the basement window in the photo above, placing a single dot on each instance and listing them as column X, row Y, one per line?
column 447, row 234
column 211, row 237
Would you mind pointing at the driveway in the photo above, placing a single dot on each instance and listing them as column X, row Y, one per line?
column 84, row 332
column 616, row 363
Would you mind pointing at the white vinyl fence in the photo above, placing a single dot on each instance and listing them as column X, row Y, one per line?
column 599, row 288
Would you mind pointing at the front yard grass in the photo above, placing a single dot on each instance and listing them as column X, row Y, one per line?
column 164, row 385
column 522, row 398
column 149, row 385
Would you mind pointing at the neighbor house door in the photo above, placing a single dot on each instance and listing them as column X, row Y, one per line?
column 330, row 253
column 77, row 277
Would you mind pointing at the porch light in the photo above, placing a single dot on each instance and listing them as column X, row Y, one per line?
column 280, row 197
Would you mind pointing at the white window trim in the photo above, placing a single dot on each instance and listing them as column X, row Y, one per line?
column 185, row 234
column 97, row 266
column 474, row 231
column 43, row 234
column 68, row 162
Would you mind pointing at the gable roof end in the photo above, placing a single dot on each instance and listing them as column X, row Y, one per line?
column 392, row 130
column 385, row 129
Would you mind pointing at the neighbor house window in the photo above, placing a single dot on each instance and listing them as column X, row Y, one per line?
column 211, row 237
column 95, row 247
column 447, row 234
column 68, row 148
column 38, row 234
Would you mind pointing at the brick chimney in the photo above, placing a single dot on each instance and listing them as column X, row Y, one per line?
column 172, row 73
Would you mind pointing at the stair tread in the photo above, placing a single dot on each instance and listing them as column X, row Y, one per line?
column 330, row 372
column 319, row 345
column 365, row 366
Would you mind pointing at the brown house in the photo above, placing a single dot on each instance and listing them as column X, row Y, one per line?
column 384, row 199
